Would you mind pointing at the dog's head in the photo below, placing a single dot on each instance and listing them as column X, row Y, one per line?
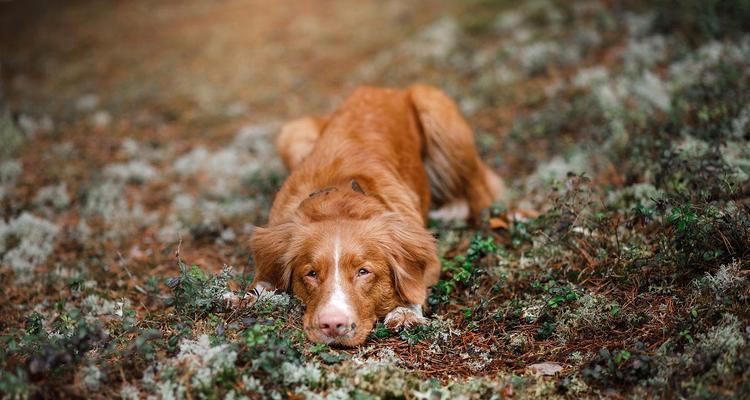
column 349, row 272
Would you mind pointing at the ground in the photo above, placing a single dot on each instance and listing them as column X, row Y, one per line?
column 137, row 157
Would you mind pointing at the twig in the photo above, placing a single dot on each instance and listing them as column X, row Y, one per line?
column 124, row 265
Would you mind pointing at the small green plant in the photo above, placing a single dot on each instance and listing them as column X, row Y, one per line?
column 317, row 348
column 197, row 293
column 146, row 344
column 417, row 334
column 333, row 357
column 545, row 331
column 380, row 331
column 559, row 294
column 622, row 356
column 685, row 334
column 520, row 233
column 682, row 218
column 260, row 333
column 462, row 270
column 34, row 324
column 15, row 385
column 267, row 346
column 620, row 366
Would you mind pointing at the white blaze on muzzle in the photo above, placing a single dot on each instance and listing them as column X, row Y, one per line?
column 338, row 301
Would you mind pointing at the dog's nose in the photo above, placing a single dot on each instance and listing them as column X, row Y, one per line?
column 334, row 324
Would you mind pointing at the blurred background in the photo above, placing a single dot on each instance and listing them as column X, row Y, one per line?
column 202, row 60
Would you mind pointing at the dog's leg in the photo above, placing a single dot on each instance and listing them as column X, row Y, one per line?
column 458, row 178
column 405, row 317
column 297, row 139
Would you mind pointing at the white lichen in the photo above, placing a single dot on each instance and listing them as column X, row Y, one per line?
column 92, row 377
column 273, row 299
column 205, row 361
column 593, row 310
column 100, row 119
column 188, row 211
column 223, row 171
column 643, row 193
column 589, row 77
column 536, row 56
column 644, row 53
column 82, row 232
column 33, row 126
column 53, row 196
column 255, row 139
column 697, row 65
column 651, row 89
column 252, row 384
column 509, row 21
column 301, row 374
column 9, row 172
column 169, row 390
column 741, row 124
column 639, row 24
column 587, row 38
column 727, row 277
column 129, row 392
column 135, row 171
column 26, row 242
column 435, row 41
column 96, row 306
column 87, row 102
column 725, row 340
column 107, row 200
column 227, row 236
column 557, row 169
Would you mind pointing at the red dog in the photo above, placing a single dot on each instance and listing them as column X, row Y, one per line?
column 346, row 232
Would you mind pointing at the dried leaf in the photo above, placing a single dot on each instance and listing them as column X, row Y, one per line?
column 496, row 223
column 546, row 368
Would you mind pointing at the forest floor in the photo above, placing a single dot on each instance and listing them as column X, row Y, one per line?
column 137, row 157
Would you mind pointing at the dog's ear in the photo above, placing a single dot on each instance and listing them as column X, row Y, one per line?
column 412, row 257
column 269, row 247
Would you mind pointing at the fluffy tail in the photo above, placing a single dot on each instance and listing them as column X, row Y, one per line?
column 455, row 171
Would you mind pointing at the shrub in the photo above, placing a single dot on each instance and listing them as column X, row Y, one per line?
column 462, row 271
column 197, row 293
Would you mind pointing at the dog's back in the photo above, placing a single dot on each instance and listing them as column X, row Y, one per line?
column 375, row 138
column 411, row 146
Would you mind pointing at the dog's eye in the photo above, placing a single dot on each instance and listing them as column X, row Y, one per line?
column 312, row 274
column 363, row 272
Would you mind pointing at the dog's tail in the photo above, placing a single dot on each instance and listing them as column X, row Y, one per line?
column 454, row 169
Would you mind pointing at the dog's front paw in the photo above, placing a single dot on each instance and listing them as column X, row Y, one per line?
column 233, row 301
column 405, row 317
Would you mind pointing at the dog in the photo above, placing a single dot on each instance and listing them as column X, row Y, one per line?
column 346, row 233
